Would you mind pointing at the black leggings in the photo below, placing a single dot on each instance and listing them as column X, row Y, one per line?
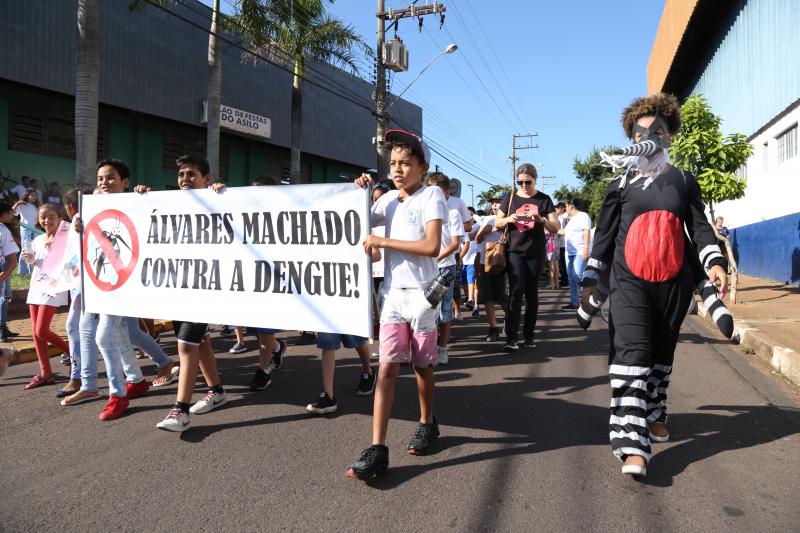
column 523, row 278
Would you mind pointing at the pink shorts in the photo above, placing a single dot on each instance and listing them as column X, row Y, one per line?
column 408, row 328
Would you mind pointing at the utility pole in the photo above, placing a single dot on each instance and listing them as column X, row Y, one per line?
column 514, row 148
column 381, row 114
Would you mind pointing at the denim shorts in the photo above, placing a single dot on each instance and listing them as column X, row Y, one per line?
column 447, row 307
column 267, row 331
column 192, row 333
column 334, row 341
column 468, row 274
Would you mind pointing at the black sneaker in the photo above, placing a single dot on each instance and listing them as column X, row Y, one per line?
column 529, row 343
column 366, row 385
column 494, row 335
column 277, row 357
column 374, row 462
column 424, row 438
column 323, row 405
column 510, row 346
column 261, row 380
column 8, row 333
column 226, row 331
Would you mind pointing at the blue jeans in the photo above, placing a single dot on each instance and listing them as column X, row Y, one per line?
column 74, row 337
column 142, row 340
column 5, row 299
column 575, row 267
column 24, row 268
column 87, row 326
column 115, row 346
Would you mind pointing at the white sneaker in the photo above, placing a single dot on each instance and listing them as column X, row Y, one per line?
column 176, row 420
column 210, row 401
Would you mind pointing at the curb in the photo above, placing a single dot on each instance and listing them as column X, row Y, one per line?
column 782, row 359
column 26, row 353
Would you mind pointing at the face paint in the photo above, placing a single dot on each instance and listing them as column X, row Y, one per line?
column 650, row 133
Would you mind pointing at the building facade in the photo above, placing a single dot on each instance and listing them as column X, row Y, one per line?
column 744, row 57
column 154, row 81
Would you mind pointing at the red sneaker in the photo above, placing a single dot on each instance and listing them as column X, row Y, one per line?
column 115, row 408
column 134, row 390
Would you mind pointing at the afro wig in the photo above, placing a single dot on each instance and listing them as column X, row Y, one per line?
column 665, row 105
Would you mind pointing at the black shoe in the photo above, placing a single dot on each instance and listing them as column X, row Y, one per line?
column 470, row 304
column 366, row 385
column 261, row 380
column 510, row 346
column 374, row 462
column 226, row 331
column 424, row 438
column 323, row 405
column 277, row 357
column 529, row 343
column 8, row 333
column 569, row 307
column 494, row 335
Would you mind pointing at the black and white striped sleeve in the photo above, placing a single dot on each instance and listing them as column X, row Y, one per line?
column 700, row 229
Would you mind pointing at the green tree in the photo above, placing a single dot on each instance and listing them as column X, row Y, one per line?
column 297, row 31
column 565, row 192
column 700, row 148
column 495, row 191
column 594, row 178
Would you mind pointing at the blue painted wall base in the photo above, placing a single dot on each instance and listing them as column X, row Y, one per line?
column 769, row 249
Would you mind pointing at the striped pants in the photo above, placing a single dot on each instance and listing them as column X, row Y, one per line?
column 645, row 319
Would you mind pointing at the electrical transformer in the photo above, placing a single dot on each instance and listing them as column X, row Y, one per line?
column 395, row 55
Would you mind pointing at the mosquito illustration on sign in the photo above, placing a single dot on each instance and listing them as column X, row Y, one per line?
column 111, row 249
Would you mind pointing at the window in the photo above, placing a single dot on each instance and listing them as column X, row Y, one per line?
column 787, row 144
column 176, row 146
column 48, row 133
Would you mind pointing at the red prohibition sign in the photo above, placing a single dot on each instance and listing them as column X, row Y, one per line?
column 108, row 241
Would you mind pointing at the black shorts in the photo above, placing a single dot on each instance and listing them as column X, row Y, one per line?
column 492, row 288
column 190, row 332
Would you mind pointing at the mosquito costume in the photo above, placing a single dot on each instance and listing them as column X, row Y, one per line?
column 642, row 249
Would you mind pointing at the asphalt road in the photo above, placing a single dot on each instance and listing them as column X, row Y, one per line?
column 524, row 447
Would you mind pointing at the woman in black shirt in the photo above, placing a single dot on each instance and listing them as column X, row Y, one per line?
column 528, row 214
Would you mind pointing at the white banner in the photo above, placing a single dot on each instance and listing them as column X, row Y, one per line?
column 285, row 257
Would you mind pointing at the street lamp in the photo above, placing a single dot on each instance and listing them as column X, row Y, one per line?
column 449, row 50
column 472, row 192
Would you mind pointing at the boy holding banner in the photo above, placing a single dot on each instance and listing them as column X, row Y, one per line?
column 413, row 216
column 194, row 343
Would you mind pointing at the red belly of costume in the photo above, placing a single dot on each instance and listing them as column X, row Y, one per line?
column 654, row 246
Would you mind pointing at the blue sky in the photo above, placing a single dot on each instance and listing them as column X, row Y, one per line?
column 562, row 69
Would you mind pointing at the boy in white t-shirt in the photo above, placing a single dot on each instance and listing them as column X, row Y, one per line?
column 452, row 233
column 413, row 217
column 8, row 262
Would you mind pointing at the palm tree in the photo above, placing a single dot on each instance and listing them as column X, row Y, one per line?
column 298, row 31
column 87, row 89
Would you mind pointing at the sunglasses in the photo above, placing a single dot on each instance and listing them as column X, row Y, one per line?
column 522, row 183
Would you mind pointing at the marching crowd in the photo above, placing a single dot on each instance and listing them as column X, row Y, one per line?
column 435, row 253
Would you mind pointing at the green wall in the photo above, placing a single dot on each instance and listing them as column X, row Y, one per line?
column 139, row 141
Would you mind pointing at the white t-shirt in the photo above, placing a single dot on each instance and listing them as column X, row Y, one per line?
column 469, row 258
column 454, row 228
column 37, row 296
column 492, row 236
column 563, row 219
column 28, row 213
column 406, row 221
column 7, row 244
column 454, row 202
column 20, row 190
column 574, row 232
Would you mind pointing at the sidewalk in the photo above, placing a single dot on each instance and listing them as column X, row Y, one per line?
column 26, row 352
column 767, row 318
